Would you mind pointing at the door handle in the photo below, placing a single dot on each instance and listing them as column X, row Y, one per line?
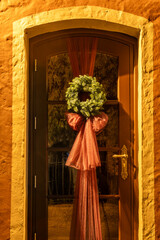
column 120, row 156
column 124, row 157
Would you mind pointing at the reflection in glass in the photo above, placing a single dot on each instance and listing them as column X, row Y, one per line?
column 59, row 76
column 109, row 136
column 109, row 212
column 106, row 72
column 60, row 215
column 59, row 221
column 61, row 179
column 107, row 174
column 59, row 132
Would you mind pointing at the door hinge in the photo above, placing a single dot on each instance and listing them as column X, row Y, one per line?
column 131, row 152
column 35, row 123
column 35, row 181
column 35, row 236
column 35, row 65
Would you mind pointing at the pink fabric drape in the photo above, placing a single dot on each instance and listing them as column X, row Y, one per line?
column 82, row 53
column 84, row 155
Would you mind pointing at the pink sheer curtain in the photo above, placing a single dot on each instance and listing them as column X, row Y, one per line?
column 82, row 53
column 86, row 223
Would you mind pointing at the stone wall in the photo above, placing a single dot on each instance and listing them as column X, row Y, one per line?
column 12, row 10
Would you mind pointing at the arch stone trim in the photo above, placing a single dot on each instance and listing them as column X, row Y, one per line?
column 81, row 17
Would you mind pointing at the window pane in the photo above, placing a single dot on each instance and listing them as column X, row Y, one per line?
column 107, row 174
column 61, row 179
column 109, row 211
column 109, row 136
column 59, row 221
column 59, row 75
column 106, row 72
column 59, row 132
column 60, row 215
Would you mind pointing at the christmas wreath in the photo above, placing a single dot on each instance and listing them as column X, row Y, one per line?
column 89, row 85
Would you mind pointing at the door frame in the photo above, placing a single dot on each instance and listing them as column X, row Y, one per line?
column 87, row 17
column 132, row 43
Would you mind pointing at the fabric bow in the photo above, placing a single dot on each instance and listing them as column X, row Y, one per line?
column 84, row 154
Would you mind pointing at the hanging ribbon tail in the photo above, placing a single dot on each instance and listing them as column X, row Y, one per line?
column 86, row 224
column 84, row 156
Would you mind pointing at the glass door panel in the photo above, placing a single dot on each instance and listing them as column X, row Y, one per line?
column 109, row 212
column 61, row 179
column 59, row 74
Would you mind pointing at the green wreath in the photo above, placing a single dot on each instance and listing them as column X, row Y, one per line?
column 91, row 106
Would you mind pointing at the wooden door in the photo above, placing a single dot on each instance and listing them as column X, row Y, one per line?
column 51, row 184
